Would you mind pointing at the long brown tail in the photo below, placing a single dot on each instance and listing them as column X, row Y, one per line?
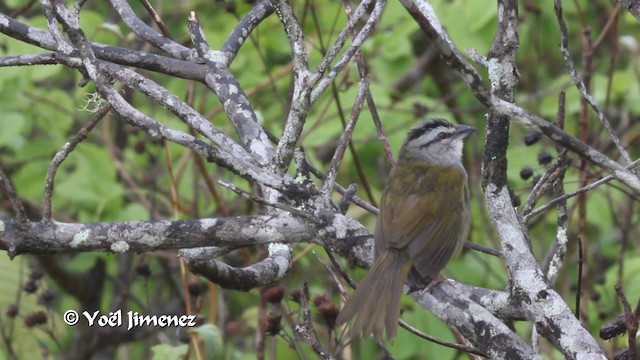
column 376, row 301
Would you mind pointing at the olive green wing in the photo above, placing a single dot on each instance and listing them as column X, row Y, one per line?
column 426, row 214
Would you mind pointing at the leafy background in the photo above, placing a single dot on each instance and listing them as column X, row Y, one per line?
column 43, row 106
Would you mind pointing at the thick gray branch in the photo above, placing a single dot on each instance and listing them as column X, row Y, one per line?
column 489, row 334
column 54, row 237
column 50, row 237
column 632, row 6
column 265, row 272
column 543, row 306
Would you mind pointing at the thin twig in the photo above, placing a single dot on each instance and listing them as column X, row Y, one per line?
column 433, row 339
column 483, row 249
column 631, row 321
column 211, row 186
column 340, row 270
column 339, row 42
column 611, row 22
column 62, row 154
column 347, row 197
column 373, row 109
column 358, row 40
column 577, row 81
column 560, row 245
column 566, row 196
column 545, row 182
column 356, row 200
column 306, row 328
column 354, row 154
column 156, row 18
column 579, row 285
column 332, row 270
column 16, row 204
column 263, row 201
column 330, row 180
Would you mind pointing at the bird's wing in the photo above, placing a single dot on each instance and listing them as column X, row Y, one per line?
column 424, row 210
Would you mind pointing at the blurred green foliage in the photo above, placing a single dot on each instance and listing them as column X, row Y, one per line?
column 42, row 108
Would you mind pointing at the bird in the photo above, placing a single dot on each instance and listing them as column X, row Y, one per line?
column 424, row 218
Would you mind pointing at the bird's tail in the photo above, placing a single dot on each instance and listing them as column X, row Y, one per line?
column 376, row 302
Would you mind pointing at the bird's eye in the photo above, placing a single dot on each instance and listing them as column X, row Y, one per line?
column 443, row 135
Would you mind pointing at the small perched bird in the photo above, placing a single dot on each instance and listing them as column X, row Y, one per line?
column 424, row 218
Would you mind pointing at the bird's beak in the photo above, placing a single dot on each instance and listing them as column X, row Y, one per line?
column 462, row 131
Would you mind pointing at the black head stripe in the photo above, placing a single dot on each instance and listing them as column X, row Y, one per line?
column 419, row 130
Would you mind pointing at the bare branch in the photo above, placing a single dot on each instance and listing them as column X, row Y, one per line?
column 542, row 305
column 16, row 204
column 632, row 6
column 305, row 330
column 50, row 237
column 301, row 89
column 562, row 239
column 566, row 196
column 571, row 143
column 424, row 14
column 63, row 153
column 147, row 33
column 233, row 98
column 358, row 40
column 630, row 320
column 342, row 37
column 329, row 181
column 496, row 339
column 241, row 32
column 577, row 81
column 266, row 272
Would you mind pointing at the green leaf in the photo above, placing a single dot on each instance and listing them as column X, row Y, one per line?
column 169, row 352
column 212, row 338
column 29, row 179
column 11, row 134
column 132, row 212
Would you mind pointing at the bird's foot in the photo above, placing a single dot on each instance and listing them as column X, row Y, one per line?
column 439, row 279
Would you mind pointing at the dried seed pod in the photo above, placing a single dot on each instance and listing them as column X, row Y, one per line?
column 532, row 137
column 526, row 173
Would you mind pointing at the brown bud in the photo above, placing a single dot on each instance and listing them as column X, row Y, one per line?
column 36, row 273
column 143, row 269
column 12, row 311
column 295, row 295
column 321, row 299
column 544, row 157
column 46, row 297
column 34, row 319
column 526, row 173
column 231, row 7
column 182, row 334
column 274, row 294
column 328, row 314
column 420, row 110
column 532, row 137
column 623, row 354
column 197, row 288
column 200, row 320
column 30, row 287
column 272, row 325
column 613, row 328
